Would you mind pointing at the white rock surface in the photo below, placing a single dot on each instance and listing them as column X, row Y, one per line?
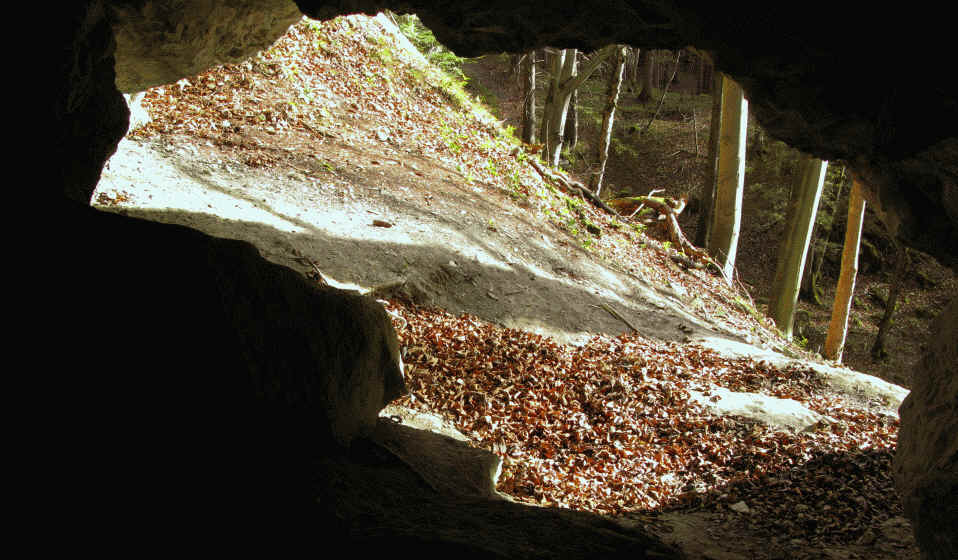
column 782, row 413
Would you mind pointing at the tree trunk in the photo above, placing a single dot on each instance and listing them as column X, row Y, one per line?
column 555, row 59
column 647, row 71
column 665, row 89
column 632, row 66
column 901, row 267
column 838, row 327
column 560, row 106
column 708, row 190
column 730, row 177
column 792, row 253
column 810, row 288
column 560, row 91
column 611, row 101
column 529, row 98
column 571, row 133
column 700, row 83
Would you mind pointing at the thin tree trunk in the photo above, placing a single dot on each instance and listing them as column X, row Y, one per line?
column 611, row 101
column 665, row 89
column 838, row 327
column 792, row 253
column 898, row 278
column 708, row 191
column 529, row 98
column 556, row 59
column 560, row 107
column 700, row 83
column 560, row 91
column 730, row 178
column 831, row 225
column 810, row 289
column 647, row 71
column 632, row 66
column 571, row 133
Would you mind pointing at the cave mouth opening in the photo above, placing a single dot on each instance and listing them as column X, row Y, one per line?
column 875, row 159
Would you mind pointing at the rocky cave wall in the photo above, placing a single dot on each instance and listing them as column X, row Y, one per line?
column 234, row 343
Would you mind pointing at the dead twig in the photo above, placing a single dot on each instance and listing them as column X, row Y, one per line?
column 642, row 205
column 320, row 279
column 617, row 315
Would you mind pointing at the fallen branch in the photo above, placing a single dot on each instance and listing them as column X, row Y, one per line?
column 658, row 203
column 670, row 208
column 642, row 205
column 320, row 279
column 574, row 187
column 617, row 315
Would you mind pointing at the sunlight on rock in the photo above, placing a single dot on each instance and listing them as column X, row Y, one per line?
column 135, row 177
column 537, row 326
column 860, row 386
column 772, row 411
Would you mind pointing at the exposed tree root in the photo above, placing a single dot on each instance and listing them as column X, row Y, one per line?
column 574, row 187
column 668, row 207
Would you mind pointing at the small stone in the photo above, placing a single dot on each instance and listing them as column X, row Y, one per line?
column 740, row 507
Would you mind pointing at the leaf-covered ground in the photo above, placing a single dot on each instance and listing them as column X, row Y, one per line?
column 607, row 425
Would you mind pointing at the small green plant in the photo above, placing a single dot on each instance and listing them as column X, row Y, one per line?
column 385, row 55
column 747, row 307
column 574, row 205
column 424, row 40
column 451, row 138
column 591, row 227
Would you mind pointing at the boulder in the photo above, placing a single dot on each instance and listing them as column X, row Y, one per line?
column 439, row 453
column 159, row 42
column 208, row 322
column 189, row 385
column 926, row 464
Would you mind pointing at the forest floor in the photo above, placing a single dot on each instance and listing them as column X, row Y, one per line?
column 607, row 376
